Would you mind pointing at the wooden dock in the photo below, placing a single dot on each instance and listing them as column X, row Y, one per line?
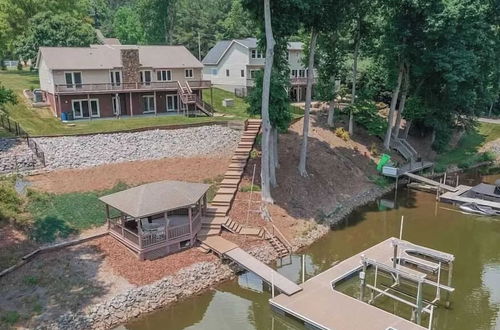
column 430, row 182
column 320, row 306
column 408, row 168
column 227, row 249
column 456, row 198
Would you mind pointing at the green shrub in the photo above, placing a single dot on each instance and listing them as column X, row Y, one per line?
column 487, row 156
column 50, row 228
column 466, row 163
column 19, row 66
column 10, row 202
column 366, row 115
column 254, row 154
column 10, row 317
column 342, row 133
column 248, row 188
column 3, row 67
column 440, row 168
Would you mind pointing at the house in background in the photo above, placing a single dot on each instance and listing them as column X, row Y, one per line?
column 232, row 65
column 116, row 80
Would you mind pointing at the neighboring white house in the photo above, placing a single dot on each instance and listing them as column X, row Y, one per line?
column 232, row 64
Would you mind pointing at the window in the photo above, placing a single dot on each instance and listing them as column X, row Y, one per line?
column 253, row 74
column 214, row 72
column 227, row 73
column 73, row 79
column 148, row 103
column 294, row 73
column 116, row 105
column 302, row 73
column 257, row 54
column 81, row 108
column 242, row 72
column 146, row 77
column 164, row 75
column 116, row 78
column 188, row 73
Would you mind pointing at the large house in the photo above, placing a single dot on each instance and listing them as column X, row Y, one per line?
column 232, row 64
column 115, row 80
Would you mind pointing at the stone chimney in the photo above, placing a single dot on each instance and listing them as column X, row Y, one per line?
column 130, row 66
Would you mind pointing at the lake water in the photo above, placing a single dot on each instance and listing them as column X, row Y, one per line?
column 474, row 240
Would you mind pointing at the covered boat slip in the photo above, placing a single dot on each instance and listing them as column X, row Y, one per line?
column 319, row 305
column 158, row 218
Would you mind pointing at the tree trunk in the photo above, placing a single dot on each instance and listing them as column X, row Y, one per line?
column 394, row 101
column 266, row 124
column 275, row 149
column 354, row 75
column 407, row 129
column 310, row 68
column 331, row 113
column 402, row 102
column 272, row 161
column 491, row 108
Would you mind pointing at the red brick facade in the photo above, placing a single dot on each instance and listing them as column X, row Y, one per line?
column 64, row 103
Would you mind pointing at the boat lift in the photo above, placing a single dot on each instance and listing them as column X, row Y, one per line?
column 417, row 265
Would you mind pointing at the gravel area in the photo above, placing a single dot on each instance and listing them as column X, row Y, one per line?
column 15, row 155
column 94, row 150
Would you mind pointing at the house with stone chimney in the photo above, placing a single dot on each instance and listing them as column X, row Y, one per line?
column 233, row 64
column 121, row 80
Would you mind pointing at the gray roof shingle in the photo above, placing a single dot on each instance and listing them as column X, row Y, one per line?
column 109, row 57
column 156, row 197
column 215, row 54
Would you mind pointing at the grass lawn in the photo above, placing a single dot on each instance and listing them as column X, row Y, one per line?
column 42, row 122
column 240, row 105
column 60, row 215
column 467, row 151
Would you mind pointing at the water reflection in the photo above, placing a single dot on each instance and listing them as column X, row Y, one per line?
column 474, row 240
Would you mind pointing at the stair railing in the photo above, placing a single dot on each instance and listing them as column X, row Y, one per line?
column 282, row 238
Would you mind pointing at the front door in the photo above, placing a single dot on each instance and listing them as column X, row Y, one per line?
column 172, row 102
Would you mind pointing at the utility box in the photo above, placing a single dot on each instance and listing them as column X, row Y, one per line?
column 37, row 95
column 228, row 103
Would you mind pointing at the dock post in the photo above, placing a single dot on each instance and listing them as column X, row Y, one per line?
column 450, row 276
column 438, row 288
column 272, row 284
column 395, row 257
column 444, row 178
column 458, row 176
column 303, row 268
column 362, row 277
column 419, row 302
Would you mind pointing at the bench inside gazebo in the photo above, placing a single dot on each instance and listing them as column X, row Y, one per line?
column 158, row 218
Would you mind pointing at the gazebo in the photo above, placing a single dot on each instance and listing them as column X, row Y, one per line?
column 158, row 218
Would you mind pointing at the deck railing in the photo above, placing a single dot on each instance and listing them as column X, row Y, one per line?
column 114, row 87
column 178, row 231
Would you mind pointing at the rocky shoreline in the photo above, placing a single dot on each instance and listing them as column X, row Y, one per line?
column 193, row 279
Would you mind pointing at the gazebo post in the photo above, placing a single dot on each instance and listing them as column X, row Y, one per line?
column 107, row 215
column 190, row 215
column 139, row 233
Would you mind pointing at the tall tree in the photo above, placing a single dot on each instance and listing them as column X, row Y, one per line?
column 46, row 29
column 127, row 26
column 157, row 19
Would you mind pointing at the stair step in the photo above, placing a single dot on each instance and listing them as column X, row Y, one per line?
column 227, row 191
column 204, row 232
column 223, row 198
column 236, row 166
column 217, row 210
column 214, row 220
column 229, row 183
column 203, row 249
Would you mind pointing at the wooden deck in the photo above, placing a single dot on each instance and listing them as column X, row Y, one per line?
column 430, row 182
column 320, row 306
column 455, row 197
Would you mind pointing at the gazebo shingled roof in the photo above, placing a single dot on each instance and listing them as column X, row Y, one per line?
column 156, row 197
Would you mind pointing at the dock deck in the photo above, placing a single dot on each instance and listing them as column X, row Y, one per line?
column 322, row 307
column 455, row 197
column 430, row 182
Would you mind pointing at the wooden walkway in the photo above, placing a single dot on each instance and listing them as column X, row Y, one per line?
column 430, row 182
column 225, row 248
column 320, row 306
column 454, row 197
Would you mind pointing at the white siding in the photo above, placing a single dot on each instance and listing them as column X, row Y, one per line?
column 45, row 76
column 234, row 60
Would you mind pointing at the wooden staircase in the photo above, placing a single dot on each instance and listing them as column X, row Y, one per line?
column 188, row 98
column 278, row 246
